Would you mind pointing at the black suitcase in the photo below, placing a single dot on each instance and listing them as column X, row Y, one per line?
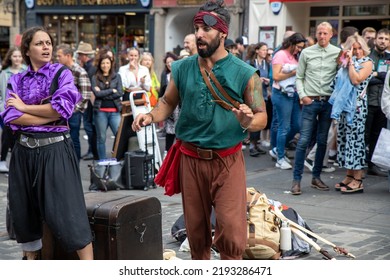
column 124, row 228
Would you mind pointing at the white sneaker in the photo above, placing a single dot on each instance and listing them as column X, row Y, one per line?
column 273, row 153
column 243, row 147
column 309, row 164
column 265, row 143
column 283, row 164
column 3, row 167
column 328, row 169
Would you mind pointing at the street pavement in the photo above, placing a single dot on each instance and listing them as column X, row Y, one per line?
column 360, row 222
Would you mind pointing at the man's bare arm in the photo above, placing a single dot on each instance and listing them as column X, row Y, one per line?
column 253, row 97
column 163, row 109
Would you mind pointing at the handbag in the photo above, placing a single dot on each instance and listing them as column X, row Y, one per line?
column 381, row 155
column 107, row 176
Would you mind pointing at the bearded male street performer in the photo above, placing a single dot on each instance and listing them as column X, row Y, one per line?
column 206, row 164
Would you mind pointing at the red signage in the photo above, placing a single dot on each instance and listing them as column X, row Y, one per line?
column 302, row 1
column 183, row 3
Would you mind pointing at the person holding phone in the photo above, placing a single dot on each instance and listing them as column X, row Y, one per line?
column 135, row 77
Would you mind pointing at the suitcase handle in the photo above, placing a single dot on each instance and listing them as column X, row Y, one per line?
column 141, row 232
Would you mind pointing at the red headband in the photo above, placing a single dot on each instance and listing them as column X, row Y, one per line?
column 212, row 21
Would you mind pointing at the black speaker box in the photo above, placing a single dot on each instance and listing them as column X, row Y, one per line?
column 139, row 169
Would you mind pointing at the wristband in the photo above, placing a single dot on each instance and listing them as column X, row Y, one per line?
column 245, row 128
column 151, row 116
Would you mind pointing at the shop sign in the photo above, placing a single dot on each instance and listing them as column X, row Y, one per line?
column 5, row 18
column 84, row 2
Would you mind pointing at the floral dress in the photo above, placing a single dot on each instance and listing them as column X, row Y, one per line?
column 351, row 148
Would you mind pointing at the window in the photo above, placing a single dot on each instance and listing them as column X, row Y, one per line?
column 372, row 10
column 332, row 11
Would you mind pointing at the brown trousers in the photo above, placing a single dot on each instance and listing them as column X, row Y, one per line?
column 218, row 183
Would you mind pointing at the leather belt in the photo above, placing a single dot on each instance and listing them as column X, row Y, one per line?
column 319, row 98
column 32, row 143
column 209, row 154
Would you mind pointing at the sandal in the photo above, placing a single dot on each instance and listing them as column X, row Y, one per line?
column 338, row 186
column 347, row 189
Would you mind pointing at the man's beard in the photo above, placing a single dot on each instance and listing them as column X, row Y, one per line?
column 210, row 48
column 381, row 48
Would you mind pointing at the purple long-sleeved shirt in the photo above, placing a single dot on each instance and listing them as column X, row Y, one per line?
column 32, row 87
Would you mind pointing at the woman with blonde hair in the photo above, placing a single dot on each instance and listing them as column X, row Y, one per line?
column 351, row 149
column 147, row 60
column 135, row 77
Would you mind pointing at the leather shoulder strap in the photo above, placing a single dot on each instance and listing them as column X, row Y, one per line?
column 235, row 103
column 217, row 98
column 54, row 82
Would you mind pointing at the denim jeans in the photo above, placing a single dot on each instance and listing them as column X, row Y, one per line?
column 102, row 121
column 74, row 126
column 317, row 113
column 274, row 126
column 288, row 112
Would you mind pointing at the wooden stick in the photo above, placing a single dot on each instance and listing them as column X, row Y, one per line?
column 306, row 238
column 338, row 249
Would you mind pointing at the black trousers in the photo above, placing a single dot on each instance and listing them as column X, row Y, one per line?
column 376, row 120
column 7, row 142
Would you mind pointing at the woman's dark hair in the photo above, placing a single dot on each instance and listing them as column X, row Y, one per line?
column 7, row 62
column 99, row 72
column 218, row 7
column 167, row 55
column 294, row 39
column 250, row 52
column 27, row 38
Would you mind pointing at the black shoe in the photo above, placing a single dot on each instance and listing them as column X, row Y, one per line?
column 260, row 150
column 292, row 145
column 253, row 152
column 88, row 156
column 376, row 171
column 332, row 159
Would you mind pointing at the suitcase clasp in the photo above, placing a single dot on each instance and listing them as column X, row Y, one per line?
column 141, row 231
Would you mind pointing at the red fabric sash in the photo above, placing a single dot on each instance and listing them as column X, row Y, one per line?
column 168, row 175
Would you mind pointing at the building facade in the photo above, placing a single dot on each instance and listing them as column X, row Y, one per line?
column 159, row 26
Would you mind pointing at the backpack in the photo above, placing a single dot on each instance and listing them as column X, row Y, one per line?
column 263, row 235
column 178, row 229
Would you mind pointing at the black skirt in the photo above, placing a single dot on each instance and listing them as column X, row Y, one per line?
column 45, row 185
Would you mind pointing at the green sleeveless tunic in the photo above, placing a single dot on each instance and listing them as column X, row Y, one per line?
column 202, row 121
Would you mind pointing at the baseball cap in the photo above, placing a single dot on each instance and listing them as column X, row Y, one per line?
column 242, row 40
column 229, row 43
